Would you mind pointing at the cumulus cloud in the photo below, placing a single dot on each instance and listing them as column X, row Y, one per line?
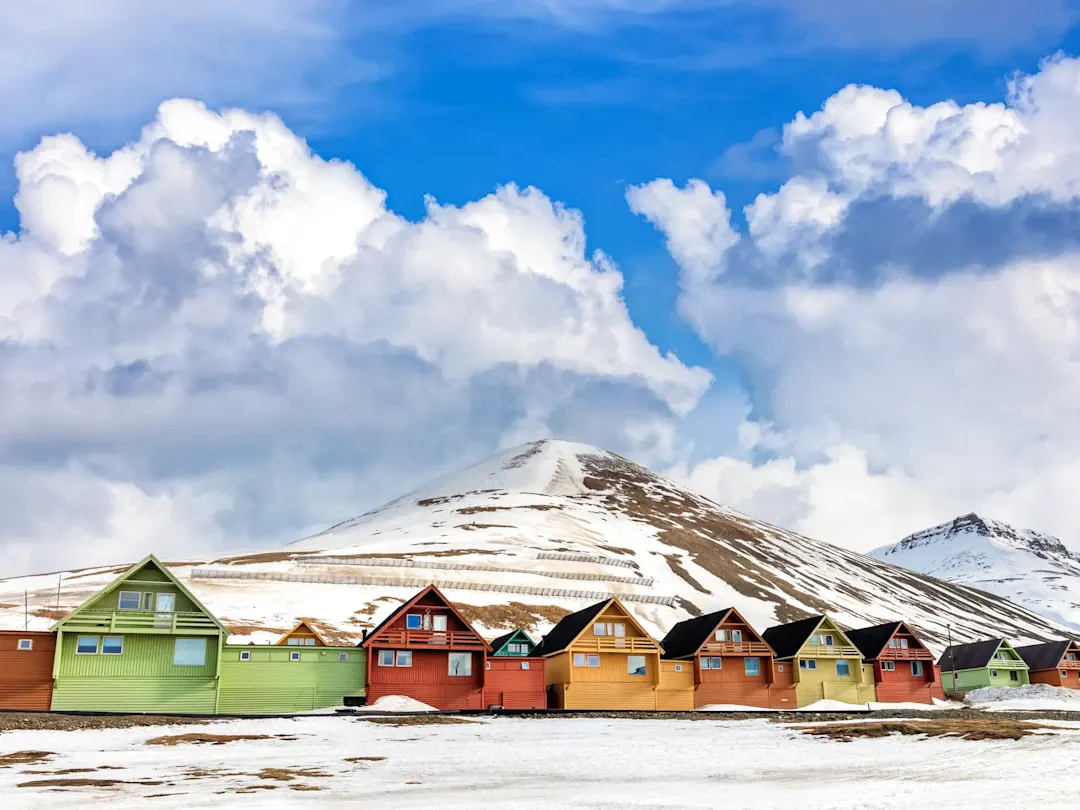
column 907, row 308
column 213, row 337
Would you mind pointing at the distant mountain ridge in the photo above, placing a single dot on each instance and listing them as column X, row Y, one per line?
column 1028, row 568
column 544, row 529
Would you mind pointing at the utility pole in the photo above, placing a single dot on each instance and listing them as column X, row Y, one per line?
column 26, row 610
column 952, row 659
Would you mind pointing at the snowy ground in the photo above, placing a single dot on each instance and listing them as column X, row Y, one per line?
column 538, row 763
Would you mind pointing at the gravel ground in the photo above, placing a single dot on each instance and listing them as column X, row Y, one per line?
column 49, row 721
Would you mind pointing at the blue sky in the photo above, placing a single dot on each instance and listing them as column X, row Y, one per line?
column 844, row 359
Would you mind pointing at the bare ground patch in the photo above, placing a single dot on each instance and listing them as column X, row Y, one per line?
column 83, row 782
column 197, row 738
column 965, row 729
column 418, row 720
column 364, row 759
column 25, row 758
column 511, row 615
column 53, row 721
column 262, row 557
column 246, row 629
column 289, row 774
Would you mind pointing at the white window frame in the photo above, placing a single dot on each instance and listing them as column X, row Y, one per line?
column 841, row 662
column 717, row 662
column 106, row 638
column 590, row 657
column 811, row 663
column 138, row 600
column 815, row 639
column 644, row 668
column 524, row 664
column 678, row 667
column 746, row 665
column 25, row 645
column 177, row 647
column 409, row 621
column 993, row 673
column 779, row 667
column 736, row 636
column 438, row 623
column 245, row 655
column 889, row 666
column 403, row 655
column 466, row 657
column 342, row 656
column 292, row 642
column 1064, row 673
column 78, row 643
column 704, row 662
column 294, row 655
column 827, row 639
column 382, row 654
column 916, row 669
column 579, row 660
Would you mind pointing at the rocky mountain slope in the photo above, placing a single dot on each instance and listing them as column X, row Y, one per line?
column 1028, row 568
column 544, row 529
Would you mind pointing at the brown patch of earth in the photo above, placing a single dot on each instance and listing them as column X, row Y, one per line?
column 58, row 783
column 119, row 569
column 241, row 629
column 24, row 758
column 418, row 720
column 364, row 759
column 676, row 567
column 51, row 613
column 965, row 729
column 511, row 615
column 618, row 550
column 471, row 526
column 263, row 557
column 289, row 774
column 304, row 787
column 197, row 738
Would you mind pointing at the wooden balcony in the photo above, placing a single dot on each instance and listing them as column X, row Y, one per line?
column 445, row 639
column 1065, row 664
column 1010, row 663
column 141, row 621
column 736, row 648
column 615, row 644
column 908, row 654
column 829, row 651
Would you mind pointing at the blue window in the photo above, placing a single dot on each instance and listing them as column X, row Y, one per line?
column 752, row 666
column 843, row 669
column 413, row 621
column 916, row 668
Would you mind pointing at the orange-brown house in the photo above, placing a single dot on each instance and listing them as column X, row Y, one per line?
column 26, row 670
column 426, row 650
column 904, row 669
column 303, row 635
column 731, row 663
column 513, row 676
column 1056, row 663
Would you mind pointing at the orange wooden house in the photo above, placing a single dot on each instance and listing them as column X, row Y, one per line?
column 1056, row 663
column 26, row 670
column 904, row 669
column 426, row 650
column 729, row 663
column 303, row 635
column 601, row 658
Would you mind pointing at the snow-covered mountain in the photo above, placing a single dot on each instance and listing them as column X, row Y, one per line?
column 1028, row 568
column 548, row 528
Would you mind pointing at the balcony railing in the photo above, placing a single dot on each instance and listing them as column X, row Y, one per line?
column 1066, row 664
column 614, row 644
column 736, row 648
column 451, row 639
column 907, row 654
column 829, row 651
column 141, row 621
column 1009, row 663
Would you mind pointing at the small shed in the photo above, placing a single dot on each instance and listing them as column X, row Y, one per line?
column 514, row 678
column 26, row 670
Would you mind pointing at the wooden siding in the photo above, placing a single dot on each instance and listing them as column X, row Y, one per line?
column 618, row 696
column 145, row 656
column 136, row 695
column 609, row 686
column 1053, row 677
column 428, row 680
column 506, row 684
column 439, row 696
column 899, row 685
column 26, row 675
column 675, row 692
column 148, row 573
column 272, row 683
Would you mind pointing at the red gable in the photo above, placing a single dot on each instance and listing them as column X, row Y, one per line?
column 427, row 620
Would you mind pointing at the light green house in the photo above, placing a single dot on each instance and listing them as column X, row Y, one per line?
column 144, row 643
column 301, row 672
column 992, row 662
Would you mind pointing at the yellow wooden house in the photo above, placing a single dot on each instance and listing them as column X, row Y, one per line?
column 824, row 662
column 601, row 658
column 303, row 635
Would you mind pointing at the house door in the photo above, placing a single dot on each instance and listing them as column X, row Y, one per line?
column 438, row 624
column 620, row 635
column 165, row 606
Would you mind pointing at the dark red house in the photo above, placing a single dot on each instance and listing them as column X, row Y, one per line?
column 904, row 669
column 427, row 651
column 26, row 670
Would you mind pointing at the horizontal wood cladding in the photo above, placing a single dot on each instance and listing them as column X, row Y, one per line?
column 270, row 682
column 429, row 668
column 624, row 696
column 26, row 675
column 438, row 696
column 735, row 693
column 809, row 692
column 1053, row 677
column 614, row 669
column 506, row 684
column 908, row 692
column 676, row 689
column 136, row 695
column 149, row 656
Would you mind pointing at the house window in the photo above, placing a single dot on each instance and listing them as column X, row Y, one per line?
column 594, row 660
column 413, row 621
column 752, row 666
column 993, row 673
column 404, row 658
column 903, row 644
column 292, row 642
column 779, row 667
column 386, row 658
column 705, row 663
column 189, row 652
column 729, row 635
column 617, row 629
column 579, row 659
column 599, row 629
column 86, row 645
column 342, row 656
column 894, row 642
column 147, row 601
column 438, row 624
column 1014, row 675
column 712, row 663
column 889, row 666
column 807, row 663
column 678, row 667
column 1070, row 656
column 26, row 644
column 487, row 665
column 294, row 656
column 635, row 665
column 736, row 635
column 827, row 640
column 245, row 655
column 524, row 664
column 460, row 664
column 129, row 600
column 1064, row 673
column 916, row 668
column 843, row 669
column 112, row 645
column 815, row 639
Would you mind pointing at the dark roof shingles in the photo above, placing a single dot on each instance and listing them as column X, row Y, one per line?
column 568, row 628
column 685, row 638
column 872, row 640
column 787, row 639
column 1044, row 656
column 975, row 655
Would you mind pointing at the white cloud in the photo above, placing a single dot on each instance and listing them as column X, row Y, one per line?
column 213, row 319
column 907, row 308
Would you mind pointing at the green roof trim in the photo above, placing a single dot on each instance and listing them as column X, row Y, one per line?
column 516, row 636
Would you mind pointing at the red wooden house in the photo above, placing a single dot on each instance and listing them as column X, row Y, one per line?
column 1056, row 663
column 26, row 670
column 513, row 676
column 904, row 669
column 732, row 663
column 427, row 651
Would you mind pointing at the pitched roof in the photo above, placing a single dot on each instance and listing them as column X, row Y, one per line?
column 502, row 641
column 284, row 639
column 149, row 558
column 686, row 638
column 872, row 640
column 407, row 605
column 787, row 639
column 569, row 628
column 1044, row 656
column 975, row 655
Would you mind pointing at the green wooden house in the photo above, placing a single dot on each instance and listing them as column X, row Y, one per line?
column 144, row 643
column 302, row 671
column 516, row 643
column 992, row 662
